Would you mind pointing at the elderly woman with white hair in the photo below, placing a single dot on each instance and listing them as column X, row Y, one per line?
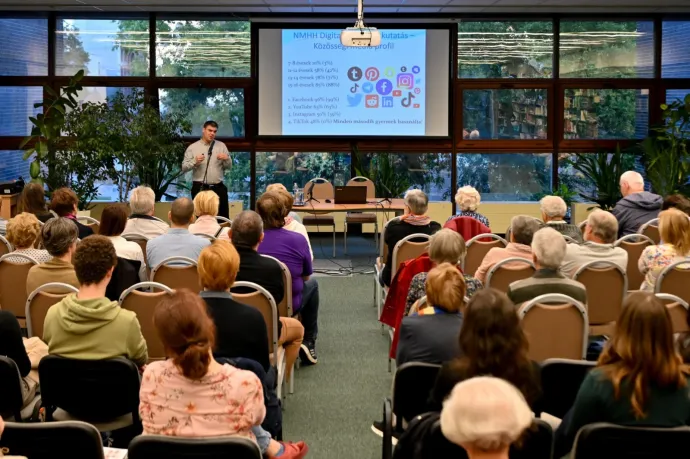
column 485, row 415
column 414, row 220
column 142, row 203
column 553, row 210
column 468, row 198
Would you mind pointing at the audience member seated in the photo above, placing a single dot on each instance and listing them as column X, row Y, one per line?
column 291, row 223
column 601, row 231
column 142, row 203
column 637, row 206
column 178, row 241
column 64, row 203
column 33, row 200
column 413, row 221
column 674, row 229
column 247, row 233
column 493, row 343
column 430, row 334
column 113, row 221
column 446, row 246
column 468, row 198
column 280, row 186
column 485, row 415
column 12, row 346
column 640, row 379
column 553, row 211
column 192, row 395
column 677, row 201
column 206, row 209
column 23, row 231
column 292, row 249
column 87, row 325
column 548, row 252
column 59, row 236
column 522, row 229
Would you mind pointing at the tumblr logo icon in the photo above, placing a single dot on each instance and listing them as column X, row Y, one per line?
column 384, row 87
column 405, row 80
column 354, row 74
column 372, row 74
column 367, row 87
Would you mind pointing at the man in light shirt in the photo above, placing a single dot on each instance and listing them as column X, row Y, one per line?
column 142, row 203
column 209, row 160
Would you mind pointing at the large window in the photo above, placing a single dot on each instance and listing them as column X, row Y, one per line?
column 102, row 47
column 16, row 106
column 290, row 168
column 504, row 114
column 607, row 49
column 225, row 106
column 675, row 61
column 202, row 48
column 605, row 113
column 488, row 49
column 506, row 176
column 101, row 94
column 24, row 50
column 673, row 95
column 13, row 166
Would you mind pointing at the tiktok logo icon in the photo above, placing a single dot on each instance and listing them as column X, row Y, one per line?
column 407, row 101
column 354, row 88
column 354, row 73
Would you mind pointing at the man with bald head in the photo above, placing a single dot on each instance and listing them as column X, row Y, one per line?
column 637, row 206
column 178, row 241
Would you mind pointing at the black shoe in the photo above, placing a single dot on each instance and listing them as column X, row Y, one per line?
column 307, row 353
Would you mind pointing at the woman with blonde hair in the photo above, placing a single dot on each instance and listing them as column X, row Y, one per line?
column 23, row 231
column 640, row 379
column 674, row 228
column 467, row 199
column 206, row 210
column 430, row 334
column 292, row 222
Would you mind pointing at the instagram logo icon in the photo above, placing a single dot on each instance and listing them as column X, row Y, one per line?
column 405, row 80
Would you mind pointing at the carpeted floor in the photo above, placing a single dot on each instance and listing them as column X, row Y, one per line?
column 336, row 400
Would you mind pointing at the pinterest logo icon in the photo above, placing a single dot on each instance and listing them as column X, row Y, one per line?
column 371, row 74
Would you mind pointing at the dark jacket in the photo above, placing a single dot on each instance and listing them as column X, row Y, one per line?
column 395, row 232
column 125, row 274
column 429, row 338
column 11, row 344
column 635, row 210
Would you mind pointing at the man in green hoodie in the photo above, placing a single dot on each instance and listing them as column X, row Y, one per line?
column 87, row 325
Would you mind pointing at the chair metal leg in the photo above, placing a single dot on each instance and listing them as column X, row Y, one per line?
column 292, row 381
column 345, row 235
column 376, row 237
column 333, row 240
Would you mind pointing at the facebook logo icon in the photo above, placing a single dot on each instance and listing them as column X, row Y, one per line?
column 386, row 102
column 384, row 87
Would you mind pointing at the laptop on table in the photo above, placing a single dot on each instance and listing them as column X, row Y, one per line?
column 350, row 195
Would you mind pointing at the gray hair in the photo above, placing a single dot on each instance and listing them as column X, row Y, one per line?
column 553, row 206
column 417, row 201
column 632, row 178
column 467, row 198
column 58, row 235
column 549, row 246
column 604, row 225
column 142, row 200
column 447, row 246
column 523, row 227
column 247, row 228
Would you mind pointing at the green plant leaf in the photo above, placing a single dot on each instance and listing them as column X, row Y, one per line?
column 28, row 153
column 50, row 91
column 26, row 140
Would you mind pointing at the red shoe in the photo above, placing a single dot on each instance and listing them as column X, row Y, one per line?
column 294, row 450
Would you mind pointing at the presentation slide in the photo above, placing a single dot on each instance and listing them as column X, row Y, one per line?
column 311, row 85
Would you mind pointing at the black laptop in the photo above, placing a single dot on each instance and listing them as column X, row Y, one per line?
column 350, row 195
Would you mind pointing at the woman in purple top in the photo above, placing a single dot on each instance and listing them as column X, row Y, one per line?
column 293, row 250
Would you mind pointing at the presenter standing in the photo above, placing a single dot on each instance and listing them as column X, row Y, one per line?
column 209, row 160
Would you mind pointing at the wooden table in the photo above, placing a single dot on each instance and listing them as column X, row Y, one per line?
column 8, row 205
column 323, row 207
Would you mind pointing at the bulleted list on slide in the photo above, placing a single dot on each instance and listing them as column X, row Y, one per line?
column 329, row 89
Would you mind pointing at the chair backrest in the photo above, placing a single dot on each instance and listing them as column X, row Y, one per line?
column 13, row 283
column 140, row 239
column 224, row 222
column 264, row 302
column 177, row 273
column 91, row 390
column 91, row 222
column 674, row 279
column 207, row 236
column 678, row 310
column 556, row 326
column 500, row 277
column 582, row 225
column 607, row 286
column 412, row 383
column 150, row 446
column 143, row 304
column 383, row 249
column 10, row 388
column 569, row 240
column 5, row 246
column 605, row 441
column 651, row 230
column 322, row 189
column 560, row 383
column 38, row 303
column 634, row 244
column 409, row 248
column 477, row 249
column 47, row 440
column 285, row 306
column 364, row 181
